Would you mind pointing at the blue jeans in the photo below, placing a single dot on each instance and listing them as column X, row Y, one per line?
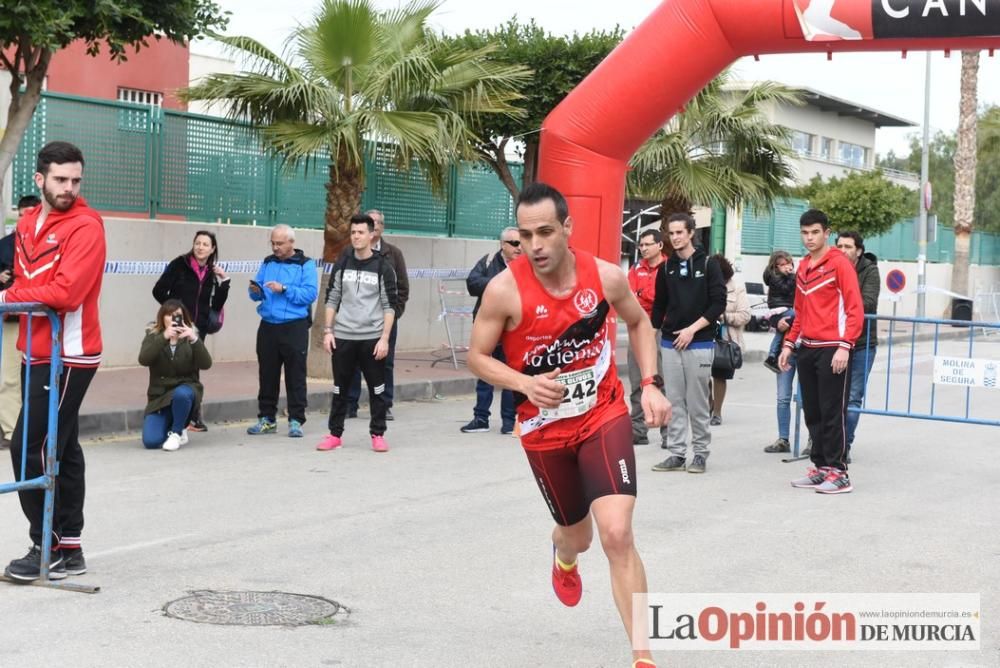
column 169, row 418
column 775, row 348
column 354, row 393
column 484, row 398
column 861, row 367
column 786, row 385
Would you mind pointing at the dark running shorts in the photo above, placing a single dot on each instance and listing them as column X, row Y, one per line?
column 571, row 478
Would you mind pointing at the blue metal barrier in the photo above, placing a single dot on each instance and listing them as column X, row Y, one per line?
column 951, row 350
column 47, row 480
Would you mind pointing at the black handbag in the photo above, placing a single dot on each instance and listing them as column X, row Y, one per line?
column 728, row 356
column 216, row 317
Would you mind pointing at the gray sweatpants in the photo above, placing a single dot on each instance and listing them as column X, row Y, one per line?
column 639, row 427
column 686, row 374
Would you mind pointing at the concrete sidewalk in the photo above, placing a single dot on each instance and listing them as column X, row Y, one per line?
column 117, row 397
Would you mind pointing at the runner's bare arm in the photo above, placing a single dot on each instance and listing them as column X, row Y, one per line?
column 500, row 310
column 641, row 337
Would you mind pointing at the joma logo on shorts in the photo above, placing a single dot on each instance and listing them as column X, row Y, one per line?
column 624, row 470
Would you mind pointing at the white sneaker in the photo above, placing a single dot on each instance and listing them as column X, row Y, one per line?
column 173, row 442
column 184, row 437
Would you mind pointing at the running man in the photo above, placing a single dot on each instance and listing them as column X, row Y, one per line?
column 550, row 312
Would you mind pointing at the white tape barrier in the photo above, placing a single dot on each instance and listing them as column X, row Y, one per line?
column 155, row 268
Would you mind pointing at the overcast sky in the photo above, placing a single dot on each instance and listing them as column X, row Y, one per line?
column 883, row 81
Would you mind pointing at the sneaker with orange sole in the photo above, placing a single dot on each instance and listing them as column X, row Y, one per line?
column 329, row 442
column 643, row 663
column 379, row 444
column 566, row 584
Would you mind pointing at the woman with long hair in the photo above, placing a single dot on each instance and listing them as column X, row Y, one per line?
column 196, row 279
column 779, row 277
column 174, row 354
column 733, row 320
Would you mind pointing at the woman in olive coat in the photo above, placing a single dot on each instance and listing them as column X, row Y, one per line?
column 174, row 354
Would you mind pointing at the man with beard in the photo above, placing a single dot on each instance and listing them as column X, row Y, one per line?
column 59, row 261
column 550, row 311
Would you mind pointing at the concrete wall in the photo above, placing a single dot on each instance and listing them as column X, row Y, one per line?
column 127, row 305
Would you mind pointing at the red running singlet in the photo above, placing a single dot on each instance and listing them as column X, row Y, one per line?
column 572, row 334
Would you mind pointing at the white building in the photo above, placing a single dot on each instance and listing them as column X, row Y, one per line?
column 833, row 136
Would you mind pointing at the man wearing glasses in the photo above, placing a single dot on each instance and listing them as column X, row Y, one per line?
column 488, row 267
column 642, row 282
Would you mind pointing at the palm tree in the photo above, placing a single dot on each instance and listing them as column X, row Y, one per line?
column 721, row 149
column 356, row 76
column 965, row 172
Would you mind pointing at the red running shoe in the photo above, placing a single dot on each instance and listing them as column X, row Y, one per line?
column 566, row 584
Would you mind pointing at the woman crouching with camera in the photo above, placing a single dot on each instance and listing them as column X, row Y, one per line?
column 174, row 354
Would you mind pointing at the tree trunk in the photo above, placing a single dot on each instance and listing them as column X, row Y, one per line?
column 22, row 107
column 343, row 200
column 965, row 172
column 530, row 160
column 496, row 157
column 670, row 205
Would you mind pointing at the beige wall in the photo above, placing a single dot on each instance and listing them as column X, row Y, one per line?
column 127, row 304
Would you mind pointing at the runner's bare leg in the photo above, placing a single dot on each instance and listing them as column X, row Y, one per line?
column 613, row 515
column 573, row 540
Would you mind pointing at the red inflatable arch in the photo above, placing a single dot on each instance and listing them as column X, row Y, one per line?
column 588, row 139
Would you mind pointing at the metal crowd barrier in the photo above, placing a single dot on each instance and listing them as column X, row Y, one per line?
column 929, row 373
column 47, row 480
column 456, row 314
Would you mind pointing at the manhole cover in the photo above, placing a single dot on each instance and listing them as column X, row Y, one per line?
column 254, row 608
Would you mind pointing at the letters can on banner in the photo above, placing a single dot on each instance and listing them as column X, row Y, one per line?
column 833, row 20
column 966, row 372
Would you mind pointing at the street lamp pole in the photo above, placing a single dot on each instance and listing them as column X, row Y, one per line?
column 924, row 174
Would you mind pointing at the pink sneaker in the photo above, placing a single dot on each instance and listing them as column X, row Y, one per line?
column 379, row 444
column 329, row 442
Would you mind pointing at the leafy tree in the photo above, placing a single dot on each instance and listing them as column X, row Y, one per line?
column 32, row 31
column 863, row 201
column 721, row 149
column 558, row 63
column 359, row 76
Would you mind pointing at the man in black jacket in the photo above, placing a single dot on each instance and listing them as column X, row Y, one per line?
column 395, row 257
column 853, row 246
column 488, row 267
column 690, row 297
column 10, row 364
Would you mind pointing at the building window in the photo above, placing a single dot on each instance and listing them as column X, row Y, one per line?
column 131, row 119
column 826, row 148
column 852, row 155
column 802, row 142
column 135, row 96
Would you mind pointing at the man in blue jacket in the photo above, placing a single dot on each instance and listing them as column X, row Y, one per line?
column 286, row 287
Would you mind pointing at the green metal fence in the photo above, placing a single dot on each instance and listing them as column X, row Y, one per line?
column 202, row 168
column 767, row 231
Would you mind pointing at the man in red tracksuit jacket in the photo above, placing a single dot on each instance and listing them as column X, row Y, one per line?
column 59, row 258
column 642, row 283
column 828, row 317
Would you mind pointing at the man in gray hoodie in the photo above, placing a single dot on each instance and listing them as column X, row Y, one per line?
column 360, row 311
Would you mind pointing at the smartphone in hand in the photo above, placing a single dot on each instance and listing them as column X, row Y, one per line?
column 256, row 286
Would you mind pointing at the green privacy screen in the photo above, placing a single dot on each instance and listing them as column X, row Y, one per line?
column 167, row 163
